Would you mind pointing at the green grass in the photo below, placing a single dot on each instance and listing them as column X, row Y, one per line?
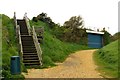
column 107, row 59
column 9, row 47
column 53, row 49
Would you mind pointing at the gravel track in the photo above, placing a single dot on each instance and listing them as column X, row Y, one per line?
column 77, row 65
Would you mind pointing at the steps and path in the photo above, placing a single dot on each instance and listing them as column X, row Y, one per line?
column 78, row 65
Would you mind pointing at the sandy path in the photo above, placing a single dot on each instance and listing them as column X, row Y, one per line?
column 77, row 65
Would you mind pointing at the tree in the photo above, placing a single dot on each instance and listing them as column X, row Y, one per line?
column 44, row 18
column 35, row 19
column 106, row 37
column 74, row 22
column 74, row 30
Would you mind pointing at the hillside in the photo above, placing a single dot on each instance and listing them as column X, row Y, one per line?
column 9, row 47
column 55, row 50
column 107, row 59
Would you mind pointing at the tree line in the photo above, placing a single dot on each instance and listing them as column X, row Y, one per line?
column 72, row 30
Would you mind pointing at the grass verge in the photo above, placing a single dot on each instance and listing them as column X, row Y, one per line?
column 107, row 60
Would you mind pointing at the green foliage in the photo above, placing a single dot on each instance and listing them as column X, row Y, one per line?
column 74, row 22
column 8, row 76
column 53, row 49
column 9, row 47
column 107, row 37
column 44, row 18
column 107, row 59
column 73, row 31
column 116, row 36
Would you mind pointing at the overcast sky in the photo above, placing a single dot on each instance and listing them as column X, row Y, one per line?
column 96, row 13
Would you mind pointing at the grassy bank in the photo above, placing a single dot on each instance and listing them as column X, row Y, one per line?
column 9, row 48
column 107, row 59
column 55, row 50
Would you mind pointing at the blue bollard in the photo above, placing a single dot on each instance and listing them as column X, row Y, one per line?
column 15, row 65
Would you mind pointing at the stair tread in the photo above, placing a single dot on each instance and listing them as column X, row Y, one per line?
column 32, row 63
column 30, row 54
column 29, row 51
column 30, row 58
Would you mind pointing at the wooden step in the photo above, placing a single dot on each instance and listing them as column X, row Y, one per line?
column 30, row 61
column 26, row 38
column 29, row 49
column 24, row 56
column 29, row 53
column 30, row 58
column 28, row 41
column 30, row 64
column 28, row 44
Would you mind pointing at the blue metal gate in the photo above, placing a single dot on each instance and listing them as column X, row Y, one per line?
column 94, row 40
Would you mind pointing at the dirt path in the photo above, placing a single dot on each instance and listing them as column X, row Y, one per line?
column 77, row 65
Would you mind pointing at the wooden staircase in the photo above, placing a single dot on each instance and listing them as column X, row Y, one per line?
column 30, row 55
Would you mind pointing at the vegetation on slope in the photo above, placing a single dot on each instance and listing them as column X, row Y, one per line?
column 55, row 50
column 9, row 47
column 116, row 36
column 72, row 30
column 107, row 59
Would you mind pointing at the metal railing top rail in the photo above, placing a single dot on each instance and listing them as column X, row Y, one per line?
column 38, row 48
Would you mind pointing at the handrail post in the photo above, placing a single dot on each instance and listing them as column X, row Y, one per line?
column 15, row 23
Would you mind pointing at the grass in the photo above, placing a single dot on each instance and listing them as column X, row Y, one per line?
column 107, row 60
column 9, row 47
column 53, row 49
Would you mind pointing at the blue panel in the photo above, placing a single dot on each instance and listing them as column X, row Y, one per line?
column 94, row 40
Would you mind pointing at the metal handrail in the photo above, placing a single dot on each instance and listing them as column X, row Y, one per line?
column 38, row 48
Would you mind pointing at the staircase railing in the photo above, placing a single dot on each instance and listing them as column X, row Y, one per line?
column 18, row 35
column 27, row 22
column 15, row 24
column 20, row 42
column 38, row 48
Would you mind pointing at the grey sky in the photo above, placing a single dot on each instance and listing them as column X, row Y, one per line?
column 96, row 13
